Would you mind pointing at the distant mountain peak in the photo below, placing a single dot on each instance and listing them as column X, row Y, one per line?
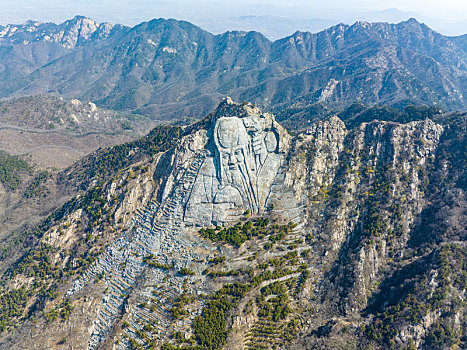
column 80, row 18
column 362, row 24
column 68, row 34
column 413, row 20
column 81, row 21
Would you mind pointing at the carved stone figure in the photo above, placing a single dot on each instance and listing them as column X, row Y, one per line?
column 238, row 175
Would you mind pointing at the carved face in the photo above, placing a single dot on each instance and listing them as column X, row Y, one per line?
column 232, row 157
column 232, row 144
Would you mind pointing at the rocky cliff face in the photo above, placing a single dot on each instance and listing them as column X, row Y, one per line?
column 239, row 235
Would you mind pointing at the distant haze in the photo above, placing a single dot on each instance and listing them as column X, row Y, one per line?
column 275, row 18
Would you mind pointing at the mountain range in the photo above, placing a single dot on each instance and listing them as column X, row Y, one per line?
column 336, row 223
column 170, row 69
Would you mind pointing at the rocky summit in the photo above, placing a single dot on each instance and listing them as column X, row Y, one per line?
column 233, row 233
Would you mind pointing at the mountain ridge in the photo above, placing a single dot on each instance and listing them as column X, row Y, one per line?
column 172, row 69
column 69, row 34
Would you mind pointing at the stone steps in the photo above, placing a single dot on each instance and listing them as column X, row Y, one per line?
column 157, row 225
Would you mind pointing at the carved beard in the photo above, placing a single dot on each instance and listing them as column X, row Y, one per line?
column 239, row 177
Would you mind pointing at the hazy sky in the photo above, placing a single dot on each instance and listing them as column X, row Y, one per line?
column 447, row 13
